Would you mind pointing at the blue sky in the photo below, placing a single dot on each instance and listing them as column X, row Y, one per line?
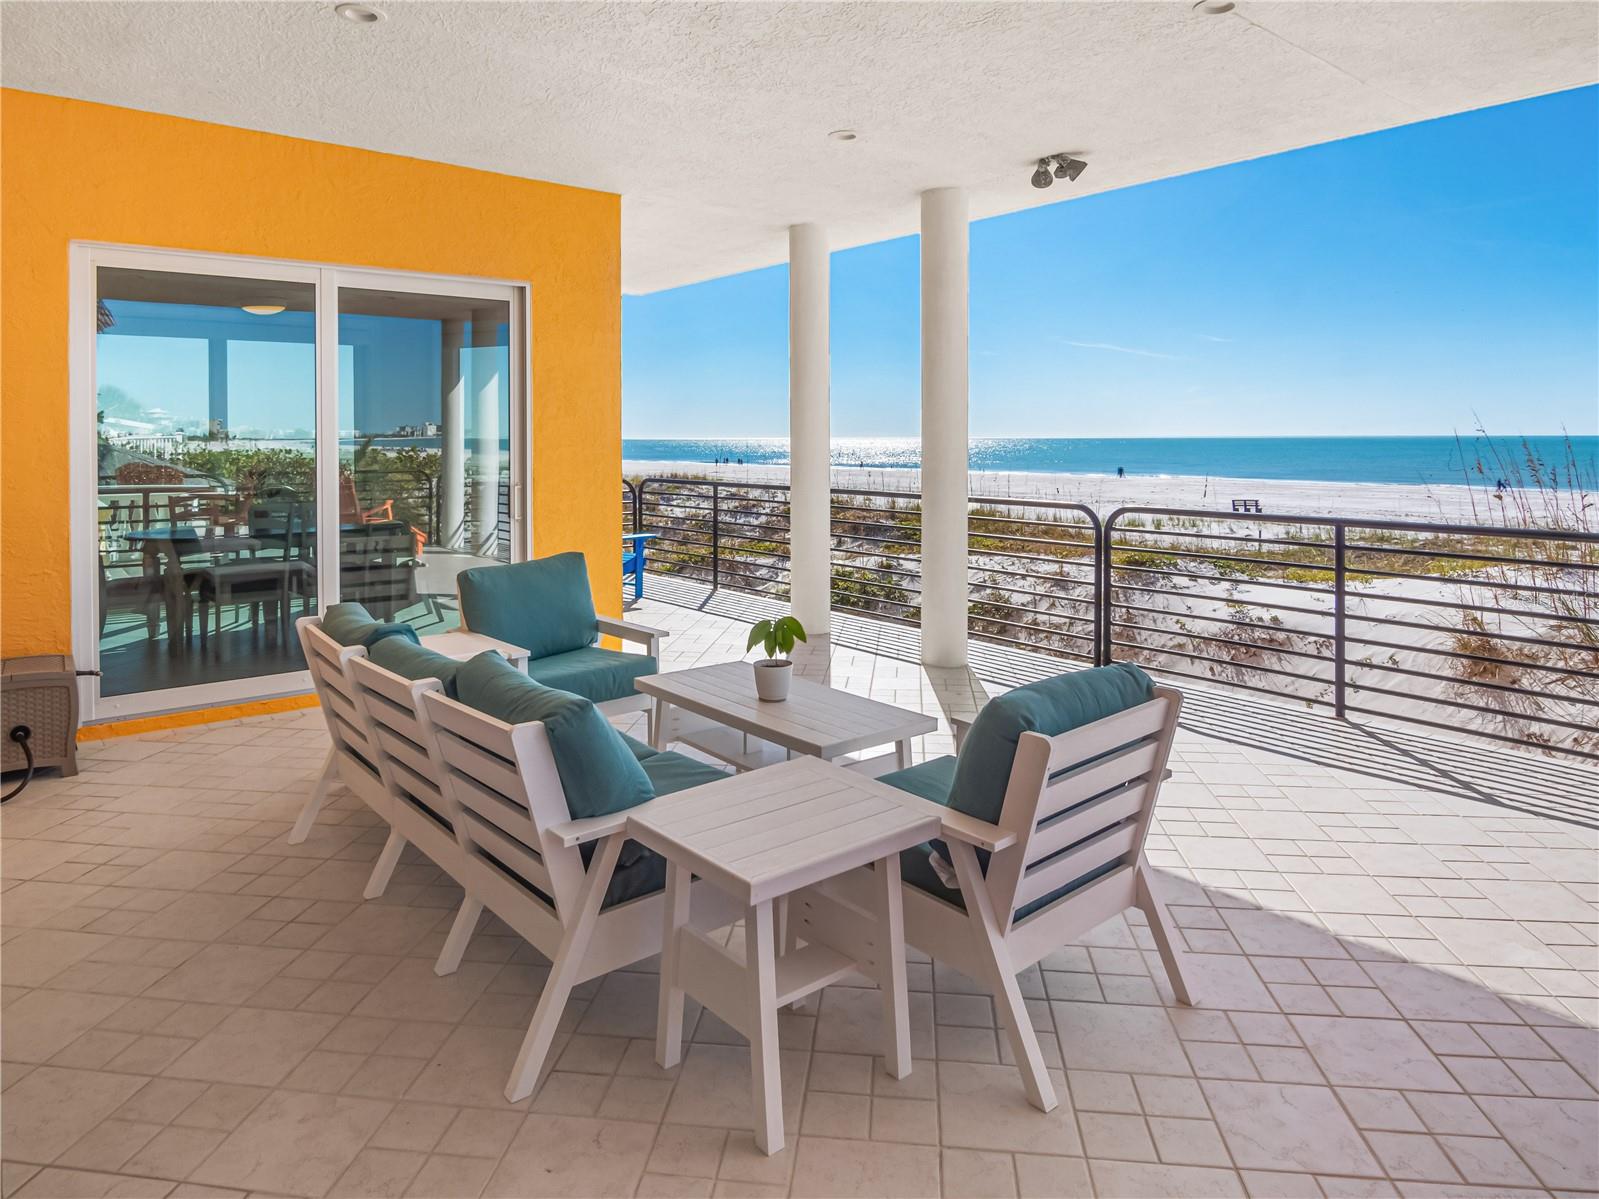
column 1413, row 281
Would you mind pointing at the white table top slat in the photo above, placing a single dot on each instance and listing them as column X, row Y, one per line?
column 792, row 825
column 821, row 721
column 764, row 834
column 722, row 828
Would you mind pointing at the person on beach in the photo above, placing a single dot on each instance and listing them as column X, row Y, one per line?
column 1121, row 472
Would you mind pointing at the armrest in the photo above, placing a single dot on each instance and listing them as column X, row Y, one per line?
column 957, row 826
column 649, row 637
column 960, row 827
column 577, row 832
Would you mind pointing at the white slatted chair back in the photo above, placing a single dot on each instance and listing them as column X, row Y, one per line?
column 328, row 663
column 398, row 736
column 1080, row 804
column 504, row 786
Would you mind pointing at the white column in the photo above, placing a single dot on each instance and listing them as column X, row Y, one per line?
column 810, row 480
column 486, row 459
column 217, row 379
column 452, row 422
column 945, row 235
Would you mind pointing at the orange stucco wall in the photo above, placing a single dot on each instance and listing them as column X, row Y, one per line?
column 71, row 171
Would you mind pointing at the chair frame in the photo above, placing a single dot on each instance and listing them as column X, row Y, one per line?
column 515, row 832
column 329, row 665
column 1093, row 789
column 419, row 812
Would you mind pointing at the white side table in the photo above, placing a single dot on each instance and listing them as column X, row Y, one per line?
column 461, row 645
column 761, row 838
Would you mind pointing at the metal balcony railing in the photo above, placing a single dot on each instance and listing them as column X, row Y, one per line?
column 1483, row 629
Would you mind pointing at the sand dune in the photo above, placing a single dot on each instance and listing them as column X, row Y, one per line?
column 1454, row 504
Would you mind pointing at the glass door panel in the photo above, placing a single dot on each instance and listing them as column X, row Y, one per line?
column 206, row 481
column 424, row 386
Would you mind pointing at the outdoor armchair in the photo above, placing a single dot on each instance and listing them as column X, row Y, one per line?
column 546, row 605
column 1045, row 812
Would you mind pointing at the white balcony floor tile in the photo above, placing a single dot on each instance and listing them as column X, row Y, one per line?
column 1398, row 985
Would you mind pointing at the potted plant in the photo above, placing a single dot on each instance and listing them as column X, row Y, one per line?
column 772, row 674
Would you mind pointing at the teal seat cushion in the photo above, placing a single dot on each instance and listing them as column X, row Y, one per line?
column 411, row 661
column 544, row 606
column 931, row 779
column 594, row 673
column 641, row 871
column 351, row 624
column 672, row 772
column 599, row 772
column 643, row 875
column 1050, row 707
column 638, row 748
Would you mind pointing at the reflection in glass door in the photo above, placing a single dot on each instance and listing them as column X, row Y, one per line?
column 205, row 411
column 424, row 448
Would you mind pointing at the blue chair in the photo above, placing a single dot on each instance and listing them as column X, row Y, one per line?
column 546, row 607
column 633, row 546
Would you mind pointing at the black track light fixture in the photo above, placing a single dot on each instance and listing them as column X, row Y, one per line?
column 1057, row 166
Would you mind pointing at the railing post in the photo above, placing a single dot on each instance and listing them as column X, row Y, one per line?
column 716, row 536
column 1102, row 538
column 1338, row 620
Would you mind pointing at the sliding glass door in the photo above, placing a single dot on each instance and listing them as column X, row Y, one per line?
column 425, row 448
column 205, row 415
column 268, row 439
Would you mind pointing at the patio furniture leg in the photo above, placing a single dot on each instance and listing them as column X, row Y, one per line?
column 383, row 869
column 460, row 937
column 661, row 719
column 1155, row 912
column 891, row 979
column 669, row 1016
column 564, row 973
column 765, row 1077
column 903, row 750
column 788, row 940
column 1007, row 995
column 313, row 805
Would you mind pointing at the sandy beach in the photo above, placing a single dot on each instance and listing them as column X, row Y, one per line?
column 1452, row 504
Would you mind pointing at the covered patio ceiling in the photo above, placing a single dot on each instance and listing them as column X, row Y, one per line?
column 713, row 120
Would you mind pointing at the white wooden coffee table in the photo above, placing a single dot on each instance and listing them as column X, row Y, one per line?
column 764, row 839
column 746, row 733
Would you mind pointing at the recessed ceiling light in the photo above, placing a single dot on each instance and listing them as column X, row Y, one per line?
column 844, row 135
column 262, row 309
column 359, row 14
column 1213, row 8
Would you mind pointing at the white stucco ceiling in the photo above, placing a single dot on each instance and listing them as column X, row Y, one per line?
column 711, row 120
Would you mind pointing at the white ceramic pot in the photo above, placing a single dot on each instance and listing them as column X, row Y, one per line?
column 771, row 679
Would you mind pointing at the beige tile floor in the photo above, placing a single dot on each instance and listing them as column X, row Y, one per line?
column 1397, row 996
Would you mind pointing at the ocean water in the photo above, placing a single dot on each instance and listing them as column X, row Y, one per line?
column 1406, row 460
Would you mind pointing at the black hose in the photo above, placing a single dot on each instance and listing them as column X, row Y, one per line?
column 21, row 734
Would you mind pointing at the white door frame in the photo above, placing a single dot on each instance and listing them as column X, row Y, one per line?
column 84, row 258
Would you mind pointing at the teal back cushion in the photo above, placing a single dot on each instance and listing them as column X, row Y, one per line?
column 1050, row 707
column 352, row 624
column 599, row 773
column 545, row 606
column 411, row 661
